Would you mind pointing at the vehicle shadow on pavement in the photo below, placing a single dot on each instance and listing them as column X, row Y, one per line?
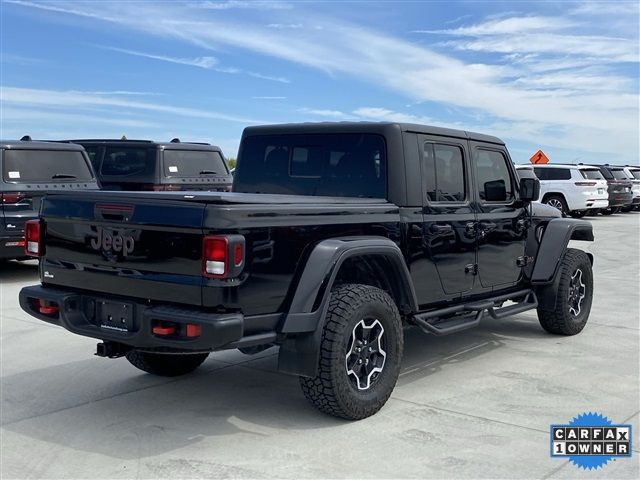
column 11, row 271
column 107, row 407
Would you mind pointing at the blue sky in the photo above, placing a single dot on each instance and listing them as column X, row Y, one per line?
column 558, row 76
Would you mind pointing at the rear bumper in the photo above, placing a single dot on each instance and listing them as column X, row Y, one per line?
column 620, row 199
column 12, row 246
column 79, row 313
column 596, row 203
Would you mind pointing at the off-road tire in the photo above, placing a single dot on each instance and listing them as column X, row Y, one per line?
column 560, row 201
column 166, row 365
column 559, row 320
column 331, row 390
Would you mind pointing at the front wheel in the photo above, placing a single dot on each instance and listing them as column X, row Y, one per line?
column 165, row 364
column 573, row 297
column 360, row 353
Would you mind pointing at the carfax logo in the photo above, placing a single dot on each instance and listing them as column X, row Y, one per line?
column 590, row 440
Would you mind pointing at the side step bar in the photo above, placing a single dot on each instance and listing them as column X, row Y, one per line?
column 430, row 322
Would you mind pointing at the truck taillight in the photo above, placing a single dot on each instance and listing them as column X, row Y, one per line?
column 222, row 256
column 33, row 238
column 12, row 198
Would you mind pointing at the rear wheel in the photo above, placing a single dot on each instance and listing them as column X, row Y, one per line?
column 165, row 364
column 557, row 202
column 570, row 310
column 360, row 353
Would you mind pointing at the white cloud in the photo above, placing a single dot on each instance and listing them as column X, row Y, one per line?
column 508, row 92
column 508, row 26
column 386, row 115
column 244, row 5
column 202, row 62
column 29, row 97
column 39, row 118
column 284, row 26
column 323, row 112
column 271, row 78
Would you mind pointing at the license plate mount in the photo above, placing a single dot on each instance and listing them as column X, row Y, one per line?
column 115, row 316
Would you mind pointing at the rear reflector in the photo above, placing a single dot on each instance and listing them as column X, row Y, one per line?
column 164, row 331
column 46, row 308
column 193, row 330
column 33, row 238
column 238, row 254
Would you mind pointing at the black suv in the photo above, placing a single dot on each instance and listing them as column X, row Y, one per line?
column 29, row 170
column 335, row 237
column 146, row 165
column 619, row 188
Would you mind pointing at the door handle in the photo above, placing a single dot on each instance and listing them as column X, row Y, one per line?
column 522, row 225
column 441, row 228
column 470, row 229
column 486, row 226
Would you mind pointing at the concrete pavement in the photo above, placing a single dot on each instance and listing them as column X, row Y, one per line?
column 473, row 405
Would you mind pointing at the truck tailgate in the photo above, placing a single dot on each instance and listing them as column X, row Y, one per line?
column 146, row 247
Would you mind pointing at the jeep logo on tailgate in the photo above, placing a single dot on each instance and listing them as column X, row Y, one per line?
column 114, row 242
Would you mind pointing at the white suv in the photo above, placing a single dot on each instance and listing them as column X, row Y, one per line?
column 573, row 189
column 633, row 174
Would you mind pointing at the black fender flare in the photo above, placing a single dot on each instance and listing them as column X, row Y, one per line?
column 304, row 320
column 553, row 246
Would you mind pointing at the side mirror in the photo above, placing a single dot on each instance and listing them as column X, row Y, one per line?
column 529, row 189
column 495, row 191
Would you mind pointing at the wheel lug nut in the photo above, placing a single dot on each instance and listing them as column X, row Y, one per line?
column 360, row 361
column 370, row 349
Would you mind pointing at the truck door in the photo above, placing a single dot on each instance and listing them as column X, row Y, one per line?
column 448, row 217
column 502, row 220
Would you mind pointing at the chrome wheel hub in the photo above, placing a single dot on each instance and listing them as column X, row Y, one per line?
column 577, row 292
column 365, row 356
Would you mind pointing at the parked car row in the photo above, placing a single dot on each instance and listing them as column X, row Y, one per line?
column 579, row 190
column 31, row 168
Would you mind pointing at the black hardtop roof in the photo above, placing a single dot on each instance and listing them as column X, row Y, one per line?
column 39, row 145
column 150, row 143
column 383, row 128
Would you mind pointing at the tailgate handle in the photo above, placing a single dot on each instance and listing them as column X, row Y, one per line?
column 119, row 212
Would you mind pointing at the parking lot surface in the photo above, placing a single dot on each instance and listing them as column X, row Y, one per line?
column 471, row 405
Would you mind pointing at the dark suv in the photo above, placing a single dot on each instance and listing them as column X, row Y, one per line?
column 619, row 188
column 29, row 170
column 146, row 165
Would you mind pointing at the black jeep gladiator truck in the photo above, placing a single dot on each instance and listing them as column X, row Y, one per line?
column 336, row 235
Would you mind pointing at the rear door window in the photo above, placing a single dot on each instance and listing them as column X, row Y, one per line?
column 445, row 173
column 128, row 161
column 636, row 174
column 553, row 173
column 193, row 163
column 27, row 166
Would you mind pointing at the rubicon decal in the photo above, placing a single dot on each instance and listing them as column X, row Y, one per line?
column 112, row 241
column 590, row 440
